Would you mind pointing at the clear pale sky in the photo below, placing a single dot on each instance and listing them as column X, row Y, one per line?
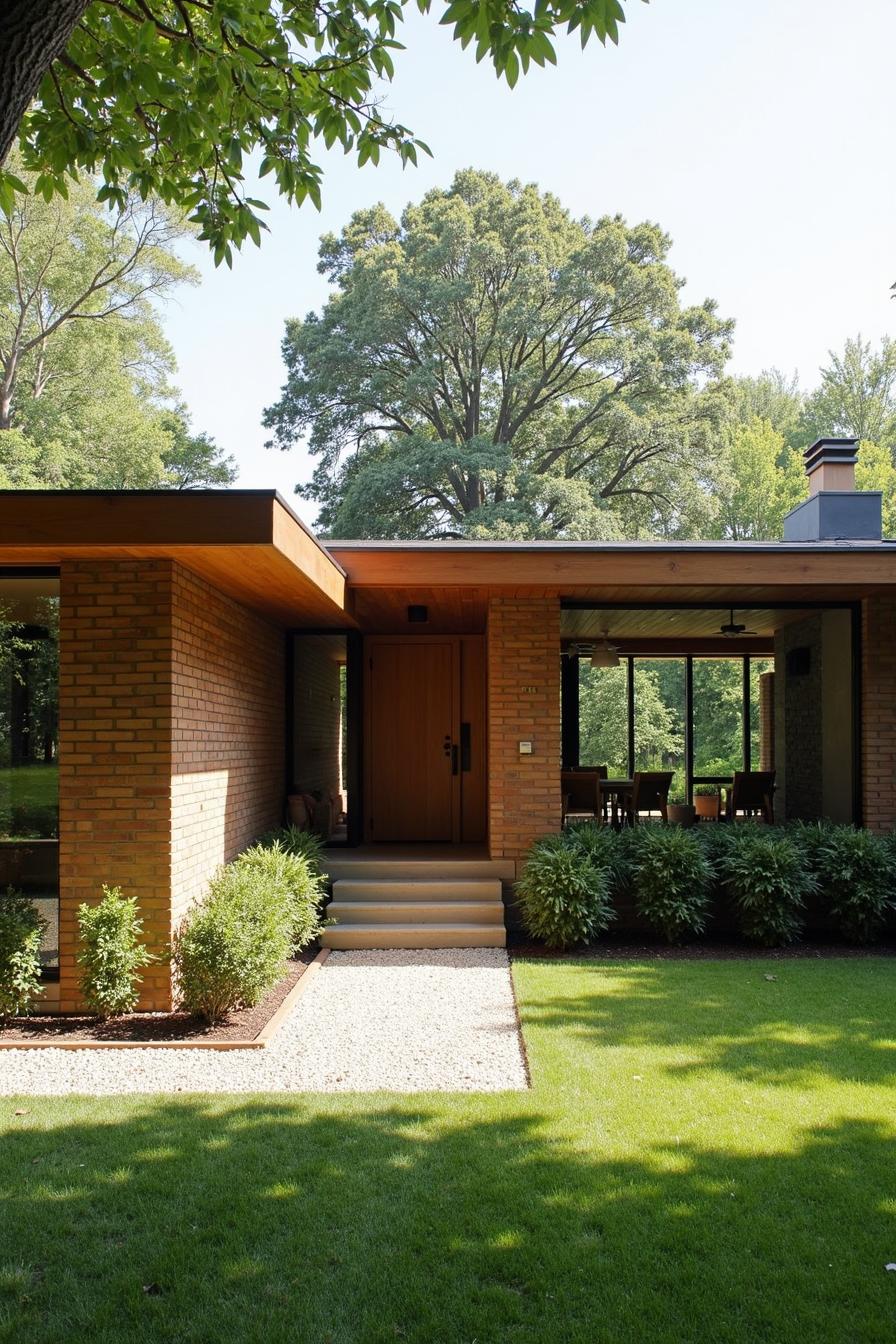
column 759, row 135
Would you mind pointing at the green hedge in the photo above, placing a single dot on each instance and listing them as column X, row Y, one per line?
column 765, row 882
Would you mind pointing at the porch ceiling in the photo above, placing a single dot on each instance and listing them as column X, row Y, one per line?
column 658, row 623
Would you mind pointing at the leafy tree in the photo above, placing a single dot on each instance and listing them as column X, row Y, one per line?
column 875, row 471
column 755, row 480
column 490, row 366
column 857, row 394
column 194, row 461
column 170, row 96
column 67, row 267
column 603, row 718
column 774, row 397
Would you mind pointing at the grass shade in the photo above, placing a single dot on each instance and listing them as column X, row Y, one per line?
column 706, row 1155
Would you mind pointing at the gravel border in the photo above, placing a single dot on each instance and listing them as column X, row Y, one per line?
column 441, row 1020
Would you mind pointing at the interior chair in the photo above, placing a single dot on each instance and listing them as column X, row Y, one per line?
column 752, row 794
column 650, row 793
column 581, row 794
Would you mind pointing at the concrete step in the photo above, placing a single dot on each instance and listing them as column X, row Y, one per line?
column 340, row 867
column 346, row 936
column 416, row 912
column 417, row 889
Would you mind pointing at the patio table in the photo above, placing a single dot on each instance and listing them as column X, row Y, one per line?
column 617, row 791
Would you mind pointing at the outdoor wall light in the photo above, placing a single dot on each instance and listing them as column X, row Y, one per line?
column 605, row 654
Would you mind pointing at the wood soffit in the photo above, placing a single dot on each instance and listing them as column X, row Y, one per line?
column 249, row 544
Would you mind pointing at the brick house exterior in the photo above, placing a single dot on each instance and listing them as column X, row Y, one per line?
column 176, row 611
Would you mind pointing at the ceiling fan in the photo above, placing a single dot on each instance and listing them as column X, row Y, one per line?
column 732, row 629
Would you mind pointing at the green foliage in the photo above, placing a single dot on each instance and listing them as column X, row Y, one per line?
column 111, row 954
column 193, row 461
column 21, row 931
column 586, row 385
column 173, row 104
column 766, row 874
column 672, row 880
column 854, row 871
column 564, row 893
column 856, row 396
column 230, row 950
column 755, row 481
column 308, row 844
column 296, row 878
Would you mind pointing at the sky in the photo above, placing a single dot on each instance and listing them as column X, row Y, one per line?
column 758, row 135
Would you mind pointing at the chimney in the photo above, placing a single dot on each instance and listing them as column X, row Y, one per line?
column 835, row 510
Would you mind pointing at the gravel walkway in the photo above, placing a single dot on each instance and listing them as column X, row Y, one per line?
column 402, row 1021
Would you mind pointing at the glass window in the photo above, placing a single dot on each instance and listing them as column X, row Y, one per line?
column 660, row 719
column 603, row 717
column 718, row 716
column 29, row 745
column 320, row 775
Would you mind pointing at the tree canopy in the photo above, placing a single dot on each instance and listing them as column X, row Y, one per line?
column 170, row 97
column 85, row 393
column 491, row 366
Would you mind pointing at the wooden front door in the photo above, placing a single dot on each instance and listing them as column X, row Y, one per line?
column 417, row 752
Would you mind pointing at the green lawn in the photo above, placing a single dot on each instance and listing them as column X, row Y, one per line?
column 707, row 1155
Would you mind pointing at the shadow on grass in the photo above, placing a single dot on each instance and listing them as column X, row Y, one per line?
column 204, row 1220
column 765, row 1023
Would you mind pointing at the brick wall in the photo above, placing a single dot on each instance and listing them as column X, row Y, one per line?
column 523, row 644
column 879, row 712
column 114, row 751
column 767, row 721
column 170, row 743
column 227, row 733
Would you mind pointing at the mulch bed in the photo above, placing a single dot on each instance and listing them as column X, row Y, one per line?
column 619, row 950
column 242, row 1025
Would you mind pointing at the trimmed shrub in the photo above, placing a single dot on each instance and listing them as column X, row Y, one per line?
column 295, row 877
column 855, row 873
column 111, row 953
column 230, row 950
column 21, row 931
column 767, row 875
column 672, row 878
column 563, row 893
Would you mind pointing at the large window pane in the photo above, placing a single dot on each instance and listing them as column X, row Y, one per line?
column 660, row 718
column 718, row 716
column 29, row 712
column 319, row 777
column 603, row 717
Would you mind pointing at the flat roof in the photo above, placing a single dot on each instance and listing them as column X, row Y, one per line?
column 253, row 546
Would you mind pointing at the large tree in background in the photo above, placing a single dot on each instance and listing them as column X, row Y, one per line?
column 856, row 396
column 491, row 366
column 170, row 96
column 85, row 398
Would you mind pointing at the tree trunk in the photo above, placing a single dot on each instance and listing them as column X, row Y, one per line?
column 32, row 34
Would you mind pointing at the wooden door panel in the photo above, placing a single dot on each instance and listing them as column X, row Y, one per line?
column 412, row 707
column 472, row 713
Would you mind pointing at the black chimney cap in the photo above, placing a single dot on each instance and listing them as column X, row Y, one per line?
column 844, row 451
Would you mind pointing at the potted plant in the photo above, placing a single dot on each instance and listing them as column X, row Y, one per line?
column 707, row 801
column 680, row 811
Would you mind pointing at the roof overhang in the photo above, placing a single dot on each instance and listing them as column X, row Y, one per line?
column 247, row 543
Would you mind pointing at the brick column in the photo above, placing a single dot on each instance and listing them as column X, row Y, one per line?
column 523, row 643
column 115, row 752
column 879, row 713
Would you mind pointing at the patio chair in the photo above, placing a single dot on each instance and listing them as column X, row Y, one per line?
column 751, row 795
column 581, row 794
column 650, row 793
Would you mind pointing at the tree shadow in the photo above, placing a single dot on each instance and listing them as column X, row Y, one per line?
column 204, row 1220
column 782, row 1023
